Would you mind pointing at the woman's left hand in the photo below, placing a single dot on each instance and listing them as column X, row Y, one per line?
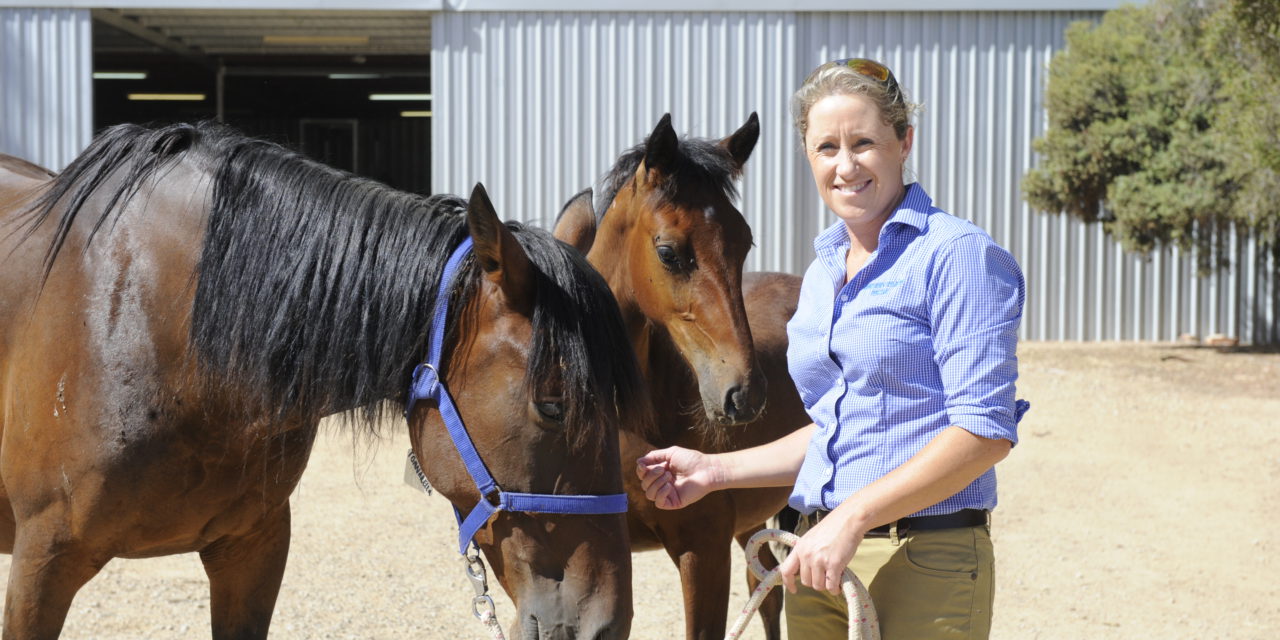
column 822, row 554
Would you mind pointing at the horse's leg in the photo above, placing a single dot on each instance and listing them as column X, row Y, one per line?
column 244, row 577
column 771, row 606
column 44, row 576
column 702, row 553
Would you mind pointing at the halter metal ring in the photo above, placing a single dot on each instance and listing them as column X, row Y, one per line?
column 481, row 605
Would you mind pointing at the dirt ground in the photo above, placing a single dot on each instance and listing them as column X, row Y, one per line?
column 1141, row 503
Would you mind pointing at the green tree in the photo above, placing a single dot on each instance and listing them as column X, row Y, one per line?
column 1163, row 124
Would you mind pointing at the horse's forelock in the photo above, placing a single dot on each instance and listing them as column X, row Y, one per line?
column 580, row 340
column 701, row 162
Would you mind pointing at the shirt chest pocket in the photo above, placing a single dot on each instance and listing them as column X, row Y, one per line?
column 891, row 342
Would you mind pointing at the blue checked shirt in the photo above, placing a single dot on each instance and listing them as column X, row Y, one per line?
column 923, row 337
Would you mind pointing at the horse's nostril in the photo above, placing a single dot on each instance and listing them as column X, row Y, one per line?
column 740, row 406
column 529, row 630
column 735, row 403
column 606, row 633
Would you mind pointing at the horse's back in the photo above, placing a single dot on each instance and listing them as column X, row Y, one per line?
column 15, row 166
column 770, row 299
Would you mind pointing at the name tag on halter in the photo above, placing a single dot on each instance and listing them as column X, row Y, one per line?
column 413, row 475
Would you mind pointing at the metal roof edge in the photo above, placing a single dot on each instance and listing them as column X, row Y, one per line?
column 779, row 6
column 316, row 5
column 588, row 6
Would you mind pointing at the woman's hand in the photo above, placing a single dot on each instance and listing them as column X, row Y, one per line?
column 675, row 477
column 822, row 554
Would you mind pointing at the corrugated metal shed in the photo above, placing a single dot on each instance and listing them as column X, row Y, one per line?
column 538, row 104
column 46, row 92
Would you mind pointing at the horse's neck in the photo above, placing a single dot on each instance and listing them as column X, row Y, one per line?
column 673, row 387
column 609, row 256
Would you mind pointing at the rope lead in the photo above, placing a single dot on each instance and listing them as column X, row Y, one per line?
column 862, row 626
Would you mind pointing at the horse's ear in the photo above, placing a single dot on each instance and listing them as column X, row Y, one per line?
column 499, row 255
column 742, row 142
column 662, row 147
column 576, row 224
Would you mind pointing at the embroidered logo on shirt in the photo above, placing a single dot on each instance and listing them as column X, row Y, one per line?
column 882, row 287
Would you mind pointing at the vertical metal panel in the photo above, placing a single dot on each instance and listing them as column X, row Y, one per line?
column 538, row 105
column 46, row 84
column 981, row 78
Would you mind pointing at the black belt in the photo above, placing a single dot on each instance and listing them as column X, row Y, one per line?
column 961, row 518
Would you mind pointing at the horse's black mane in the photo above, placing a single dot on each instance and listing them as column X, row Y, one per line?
column 700, row 162
column 315, row 287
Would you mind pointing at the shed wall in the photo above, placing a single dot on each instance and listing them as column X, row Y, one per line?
column 46, row 84
column 538, row 105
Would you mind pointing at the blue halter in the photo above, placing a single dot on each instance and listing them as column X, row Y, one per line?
column 427, row 384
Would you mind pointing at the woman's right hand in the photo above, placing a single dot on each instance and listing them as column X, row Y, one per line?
column 675, row 477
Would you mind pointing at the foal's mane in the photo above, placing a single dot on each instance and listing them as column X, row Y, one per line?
column 315, row 288
column 701, row 162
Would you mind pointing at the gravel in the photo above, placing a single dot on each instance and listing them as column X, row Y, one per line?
column 1141, row 503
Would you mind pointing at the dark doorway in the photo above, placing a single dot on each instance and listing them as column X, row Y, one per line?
column 304, row 79
column 333, row 142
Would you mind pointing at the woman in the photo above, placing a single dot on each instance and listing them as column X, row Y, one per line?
column 903, row 350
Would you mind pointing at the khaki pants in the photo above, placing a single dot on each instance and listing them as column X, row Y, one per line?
column 926, row 585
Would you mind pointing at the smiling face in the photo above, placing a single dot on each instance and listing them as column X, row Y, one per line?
column 856, row 159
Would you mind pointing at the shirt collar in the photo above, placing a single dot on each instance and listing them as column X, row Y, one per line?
column 913, row 211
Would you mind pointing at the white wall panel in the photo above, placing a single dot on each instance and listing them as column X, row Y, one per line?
column 46, row 84
column 538, row 105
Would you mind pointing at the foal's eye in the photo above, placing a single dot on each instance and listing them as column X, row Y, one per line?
column 553, row 411
column 667, row 254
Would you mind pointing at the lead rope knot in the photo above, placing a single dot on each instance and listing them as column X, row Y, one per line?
column 863, row 624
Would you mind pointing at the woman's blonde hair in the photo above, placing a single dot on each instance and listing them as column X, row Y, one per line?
column 842, row 77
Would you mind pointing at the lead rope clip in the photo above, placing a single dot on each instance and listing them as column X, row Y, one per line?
column 482, row 604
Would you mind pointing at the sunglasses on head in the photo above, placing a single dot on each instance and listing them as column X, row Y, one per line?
column 871, row 69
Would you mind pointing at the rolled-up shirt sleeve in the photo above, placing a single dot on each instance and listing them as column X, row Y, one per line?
column 976, row 293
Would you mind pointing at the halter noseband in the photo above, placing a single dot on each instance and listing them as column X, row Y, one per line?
column 427, row 383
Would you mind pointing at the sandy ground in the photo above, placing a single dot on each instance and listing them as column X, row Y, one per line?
column 1136, row 506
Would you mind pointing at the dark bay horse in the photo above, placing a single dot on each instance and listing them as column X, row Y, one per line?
column 669, row 239
column 180, row 307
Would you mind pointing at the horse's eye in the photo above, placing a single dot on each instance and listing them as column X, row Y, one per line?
column 667, row 254
column 553, row 411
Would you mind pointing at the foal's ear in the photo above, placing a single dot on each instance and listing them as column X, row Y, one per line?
column 498, row 253
column 662, row 147
column 741, row 142
column 576, row 224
